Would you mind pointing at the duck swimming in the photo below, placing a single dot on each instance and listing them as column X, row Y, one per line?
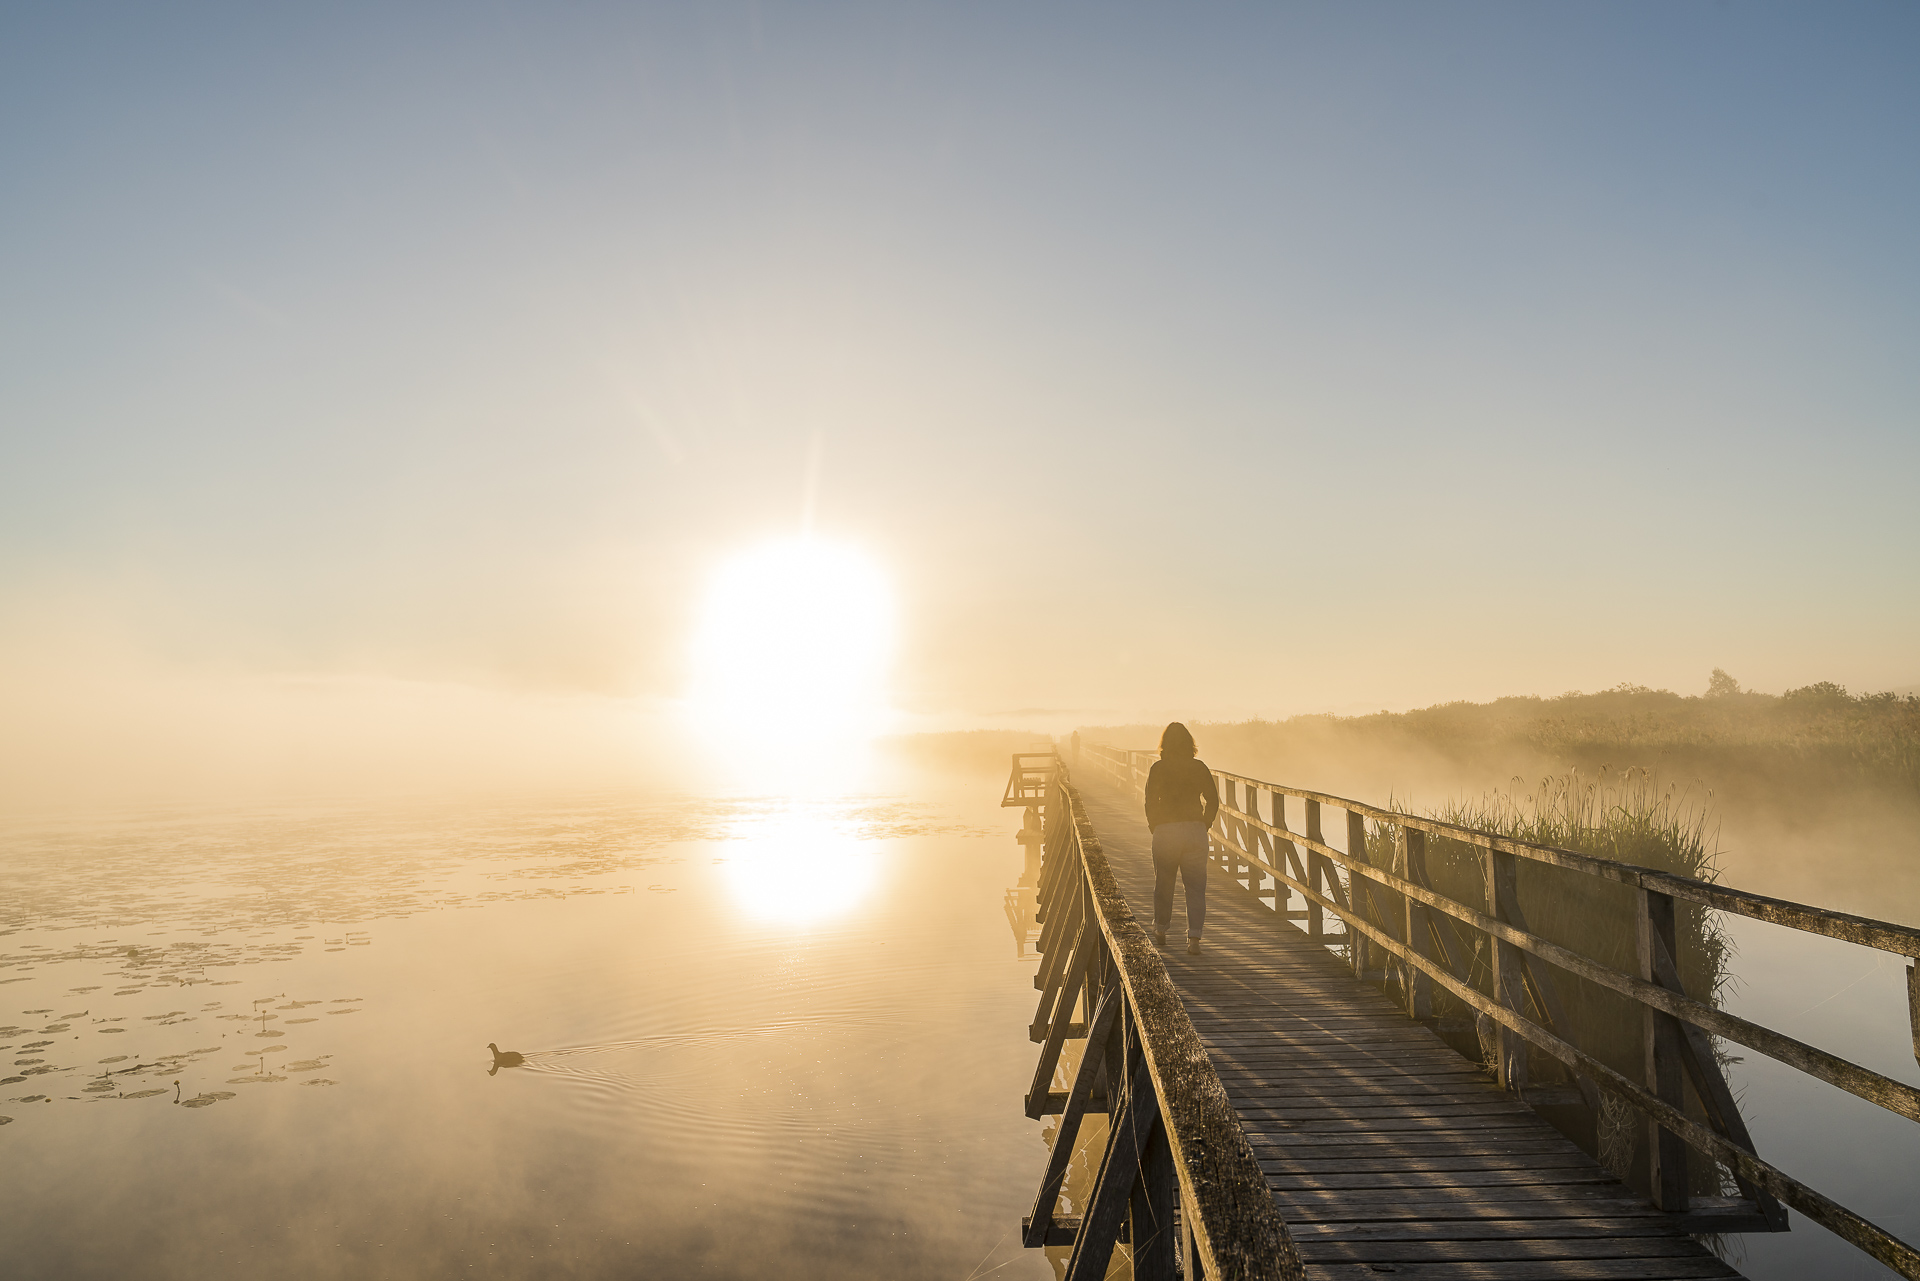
column 506, row 1058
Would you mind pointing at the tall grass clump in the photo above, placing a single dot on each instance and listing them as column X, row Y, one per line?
column 1628, row 817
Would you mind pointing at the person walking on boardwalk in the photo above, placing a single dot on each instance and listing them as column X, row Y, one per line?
column 1181, row 804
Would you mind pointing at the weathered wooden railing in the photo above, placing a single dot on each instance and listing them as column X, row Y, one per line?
column 1395, row 917
column 1178, row 1181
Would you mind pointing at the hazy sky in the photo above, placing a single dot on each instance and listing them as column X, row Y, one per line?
column 1235, row 359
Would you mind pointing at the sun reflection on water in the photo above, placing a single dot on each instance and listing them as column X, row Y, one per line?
column 801, row 865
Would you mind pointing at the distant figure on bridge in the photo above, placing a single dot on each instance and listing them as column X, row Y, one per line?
column 1181, row 804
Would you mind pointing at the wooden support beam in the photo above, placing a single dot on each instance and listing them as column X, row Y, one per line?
column 1077, row 1101
column 1083, row 950
column 1139, row 1116
column 1056, row 956
column 1281, row 893
column 1317, row 868
column 1723, row 1113
column 1666, row 1154
column 1418, row 987
column 1150, row 1217
column 1357, row 952
column 1913, row 1005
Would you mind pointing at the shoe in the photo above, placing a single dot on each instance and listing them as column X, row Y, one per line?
column 1160, row 937
column 1193, row 947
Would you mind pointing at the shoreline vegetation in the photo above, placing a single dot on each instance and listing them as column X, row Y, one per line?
column 1727, row 740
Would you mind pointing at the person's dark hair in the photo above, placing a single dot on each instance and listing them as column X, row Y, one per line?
column 1176, row 741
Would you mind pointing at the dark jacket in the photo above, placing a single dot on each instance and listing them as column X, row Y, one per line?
column 1180, row 790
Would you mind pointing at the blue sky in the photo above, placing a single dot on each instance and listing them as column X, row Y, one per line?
column 1243, row 359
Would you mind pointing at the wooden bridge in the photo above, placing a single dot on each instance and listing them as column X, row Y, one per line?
column 1288, row 1105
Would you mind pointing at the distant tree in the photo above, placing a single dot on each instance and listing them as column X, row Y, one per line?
column 1820, row 694
column 1721, row 685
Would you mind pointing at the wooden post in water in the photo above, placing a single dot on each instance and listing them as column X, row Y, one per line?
column 1317, row 871
column 1660, row 1034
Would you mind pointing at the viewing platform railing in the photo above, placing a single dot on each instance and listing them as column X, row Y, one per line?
column 1394, row 915
column 1178, row 1181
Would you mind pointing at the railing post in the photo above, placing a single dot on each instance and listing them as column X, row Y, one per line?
column 1317, row 871
column 1913, row 1004
column 1508, row 968
column 1410, row 852
column 1660, row 1035
column 1190, row 1252
column 1229, row 799
column 1272, row 850
column 1156, row 1246
column 1359, row 948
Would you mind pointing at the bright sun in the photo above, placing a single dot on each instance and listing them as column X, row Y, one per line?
column 792, row 649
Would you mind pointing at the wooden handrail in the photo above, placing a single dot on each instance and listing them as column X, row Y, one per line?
column 1664, row 995
column 1895, row 1096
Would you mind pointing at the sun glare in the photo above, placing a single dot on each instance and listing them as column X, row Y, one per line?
column 791, row 653
column 800, row 867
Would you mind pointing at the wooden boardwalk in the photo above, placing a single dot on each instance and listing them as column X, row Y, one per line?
column 1385, row 1150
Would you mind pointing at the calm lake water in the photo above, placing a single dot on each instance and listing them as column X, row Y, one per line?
column 1849, row 1001
column 763, row 1036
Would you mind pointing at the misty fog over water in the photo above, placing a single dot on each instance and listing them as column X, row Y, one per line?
column 761, row 1034
column 760, row 1031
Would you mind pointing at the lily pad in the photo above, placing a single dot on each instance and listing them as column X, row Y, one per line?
column 303, row 1020
column 318, row 1080
column 117, row 1058
column 110, row 1029
column 144, row 1094
column 305, row 1065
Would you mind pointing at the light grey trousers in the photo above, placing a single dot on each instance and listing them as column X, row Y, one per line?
column 1180, row 849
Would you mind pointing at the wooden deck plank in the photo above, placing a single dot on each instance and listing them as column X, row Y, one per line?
column 1382, row 1146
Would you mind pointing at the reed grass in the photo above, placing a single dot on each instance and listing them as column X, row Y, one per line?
column 1629, row 816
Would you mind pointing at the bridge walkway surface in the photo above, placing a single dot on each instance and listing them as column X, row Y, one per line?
column 1386, row 1151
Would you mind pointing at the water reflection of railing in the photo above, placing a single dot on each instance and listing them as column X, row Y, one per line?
column 1400, row 931
column 1022, row 902
column 1178, row 1181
